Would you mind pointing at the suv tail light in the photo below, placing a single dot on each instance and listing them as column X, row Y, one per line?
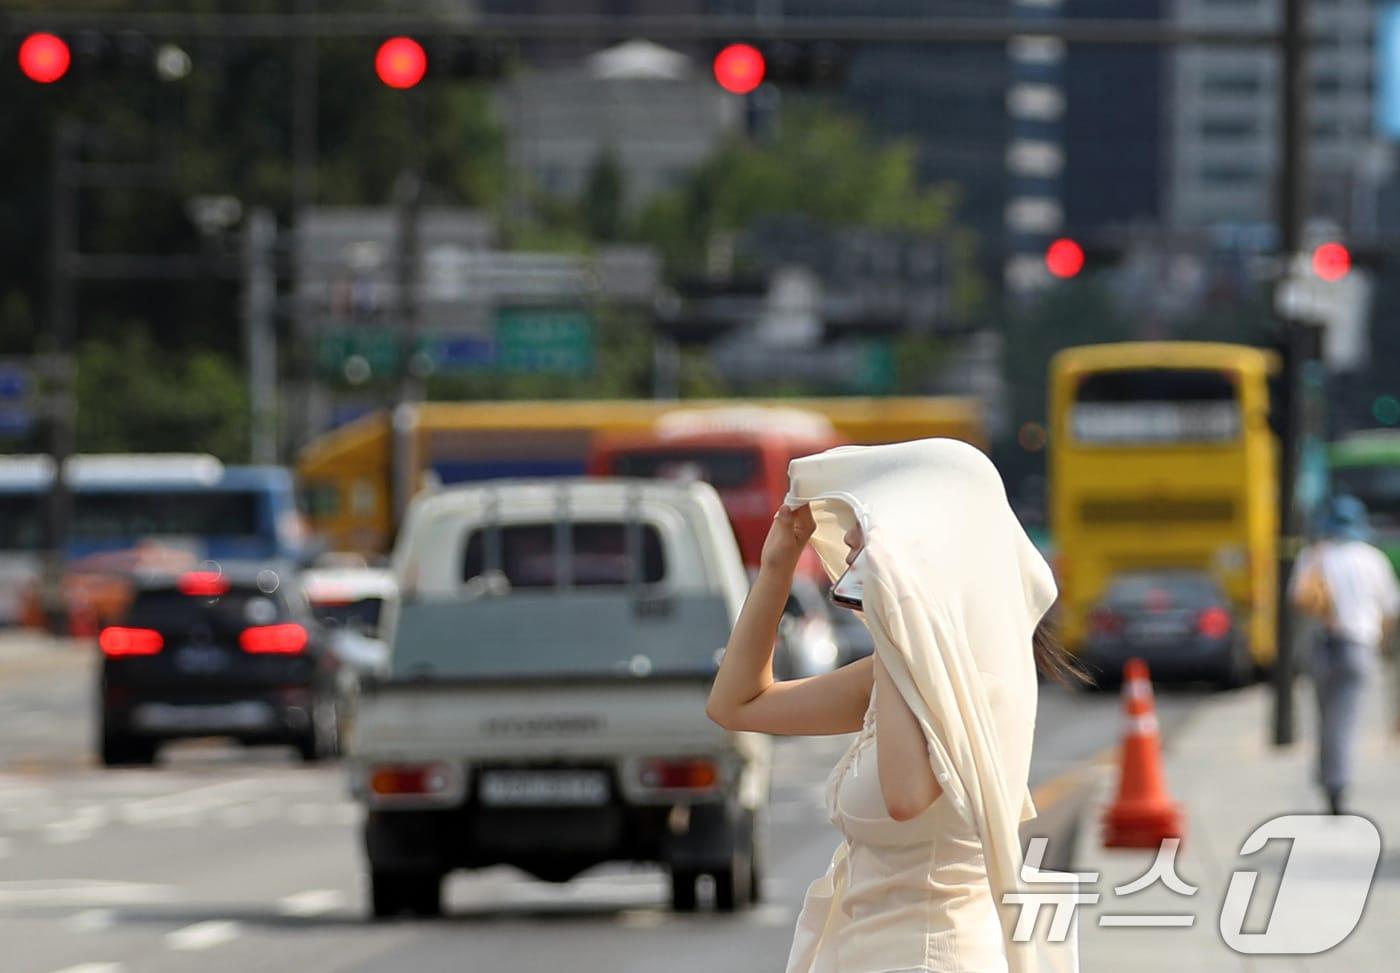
column 116, row 641
column 206, row 583
column 286, row 639
column 1214, row 623
column 690, row 773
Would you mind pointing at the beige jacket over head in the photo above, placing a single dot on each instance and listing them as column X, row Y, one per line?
column 953, row 590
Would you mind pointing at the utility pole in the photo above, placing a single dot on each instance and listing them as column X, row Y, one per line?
column 408, row 193
column 1302, row 341
column 59, row 399
column 259, row 332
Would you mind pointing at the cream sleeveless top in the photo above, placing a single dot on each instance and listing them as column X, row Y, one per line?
column 916, row 895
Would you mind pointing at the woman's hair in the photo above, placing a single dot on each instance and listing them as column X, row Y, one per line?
column 1051, row 658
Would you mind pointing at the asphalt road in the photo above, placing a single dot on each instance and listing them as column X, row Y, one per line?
column 224, row 860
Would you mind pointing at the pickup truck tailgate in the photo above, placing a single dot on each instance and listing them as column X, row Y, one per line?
column 537, row 718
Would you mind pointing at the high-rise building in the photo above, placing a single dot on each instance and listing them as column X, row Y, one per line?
column 1223, row 107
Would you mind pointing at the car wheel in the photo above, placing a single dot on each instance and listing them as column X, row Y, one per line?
column 321, row 740
column 125, row 751
column 417, row 893
column 683, row 897
column 1239, row 667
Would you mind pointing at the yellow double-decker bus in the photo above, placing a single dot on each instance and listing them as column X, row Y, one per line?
column 1163, row 465
column 355, row 479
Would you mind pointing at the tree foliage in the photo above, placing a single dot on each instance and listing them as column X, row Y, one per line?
column 134, row 396
column 821, row 164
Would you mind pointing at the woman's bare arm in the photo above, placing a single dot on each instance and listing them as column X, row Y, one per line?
column 744, row 695
column 906, row 776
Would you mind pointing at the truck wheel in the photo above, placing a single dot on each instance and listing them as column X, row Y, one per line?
column 417, row 893
column 683, row 896
column 125, row 751
column 733, row 883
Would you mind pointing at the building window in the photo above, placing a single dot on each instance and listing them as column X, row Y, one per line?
column 1234, row 83
column 1229, row 128
column 1221, row 174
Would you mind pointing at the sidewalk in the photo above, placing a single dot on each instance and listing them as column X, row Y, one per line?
column 1229, row 780
column 25, row 653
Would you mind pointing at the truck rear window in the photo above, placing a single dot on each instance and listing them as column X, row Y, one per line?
column 597, row 555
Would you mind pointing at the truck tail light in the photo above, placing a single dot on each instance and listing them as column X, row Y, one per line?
column 410, row 780
column 686, row 773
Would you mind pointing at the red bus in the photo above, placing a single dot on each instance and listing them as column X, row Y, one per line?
column 742, row 452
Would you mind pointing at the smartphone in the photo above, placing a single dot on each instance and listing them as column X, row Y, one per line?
column 849, row 589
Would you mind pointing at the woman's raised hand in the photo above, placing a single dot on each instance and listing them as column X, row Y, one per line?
column 791, row 530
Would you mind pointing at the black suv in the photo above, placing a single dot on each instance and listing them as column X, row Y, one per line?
column 227, row 653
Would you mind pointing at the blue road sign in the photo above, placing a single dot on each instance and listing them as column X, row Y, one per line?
column 1388, row 72
column 16, row 382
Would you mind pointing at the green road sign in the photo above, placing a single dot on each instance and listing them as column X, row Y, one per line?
column 556, row 340
column 544, row 340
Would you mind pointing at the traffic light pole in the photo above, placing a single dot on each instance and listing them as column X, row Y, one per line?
column 1302, row 350
column 60, row 398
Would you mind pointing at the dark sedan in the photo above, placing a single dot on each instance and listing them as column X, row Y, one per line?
column 1180, row 622
column 217, row 654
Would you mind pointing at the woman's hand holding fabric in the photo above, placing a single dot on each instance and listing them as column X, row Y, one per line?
column 791, row 530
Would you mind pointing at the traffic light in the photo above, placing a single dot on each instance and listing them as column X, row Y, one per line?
column 1064, row 258
column 741, row 67
column 44, row 58
column 401, row 62
column 1331, row 261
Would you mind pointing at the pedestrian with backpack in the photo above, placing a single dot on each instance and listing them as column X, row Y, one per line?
column 1348, row 586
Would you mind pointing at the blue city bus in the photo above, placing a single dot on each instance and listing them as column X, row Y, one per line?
column 193, row 503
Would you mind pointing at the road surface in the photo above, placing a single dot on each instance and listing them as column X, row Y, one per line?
column 224, row 860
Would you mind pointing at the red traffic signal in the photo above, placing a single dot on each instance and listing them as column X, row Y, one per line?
column 401, row 62
column 740, row 68
column 44, row 58
column 1064, row 258
column 1331, row 261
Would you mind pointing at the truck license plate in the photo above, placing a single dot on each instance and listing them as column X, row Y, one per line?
column 543, row 788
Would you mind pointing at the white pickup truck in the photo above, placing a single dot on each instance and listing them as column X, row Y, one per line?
column 551, row 653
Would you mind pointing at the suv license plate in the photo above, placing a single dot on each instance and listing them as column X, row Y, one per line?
column 543, row 788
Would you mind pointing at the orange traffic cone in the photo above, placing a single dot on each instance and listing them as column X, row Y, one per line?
column 1144, row 813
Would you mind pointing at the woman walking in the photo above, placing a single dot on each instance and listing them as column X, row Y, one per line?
column 930, row 794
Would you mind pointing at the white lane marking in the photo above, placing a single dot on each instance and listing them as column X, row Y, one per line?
column 77, row 827
column 345, row 813
column 308, row 815
column 202, row 935
column 770, row 914
column 92, row 920
column 80, row 891
column 93, row 968
column 187, row 803
column 237, row 815
column 313, row 902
